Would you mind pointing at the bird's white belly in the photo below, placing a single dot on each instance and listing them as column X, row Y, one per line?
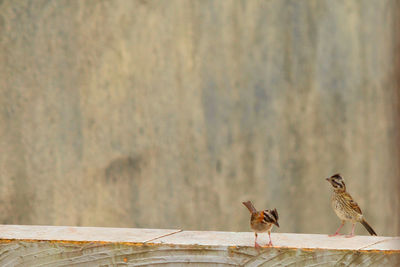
column 339, row 212
column 261, row 228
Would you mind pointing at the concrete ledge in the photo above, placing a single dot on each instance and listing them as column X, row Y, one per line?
column 95, row 246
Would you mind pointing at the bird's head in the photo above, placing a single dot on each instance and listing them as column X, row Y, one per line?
column 337, row 182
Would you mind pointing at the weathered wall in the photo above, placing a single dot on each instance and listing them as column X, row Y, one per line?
column 60, row 246
column 168, row 114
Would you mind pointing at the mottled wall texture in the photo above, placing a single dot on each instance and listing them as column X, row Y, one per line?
column 168, row 114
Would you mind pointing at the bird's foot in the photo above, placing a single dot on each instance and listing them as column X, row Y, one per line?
column 256, row 245
column 268, row 245
column 349, row 236
column 335, row 234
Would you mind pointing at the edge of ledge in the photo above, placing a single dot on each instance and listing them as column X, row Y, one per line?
column 178, row 237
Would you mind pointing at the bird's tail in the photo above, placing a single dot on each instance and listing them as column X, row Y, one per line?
column 250, row 206
column 368, row 227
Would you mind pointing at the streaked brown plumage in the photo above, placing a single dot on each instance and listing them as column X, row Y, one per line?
column 262, row 221
column 345, row 207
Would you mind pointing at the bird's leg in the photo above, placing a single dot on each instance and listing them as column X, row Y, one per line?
column 337, row 231
column 352, row 231
column 270, row 242
column 256, row 245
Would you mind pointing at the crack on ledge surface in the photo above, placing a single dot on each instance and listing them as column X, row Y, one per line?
column 158, row 237
column 378, row 242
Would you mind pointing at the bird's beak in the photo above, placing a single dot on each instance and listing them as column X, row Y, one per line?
column 328, row 179
column 277, row 224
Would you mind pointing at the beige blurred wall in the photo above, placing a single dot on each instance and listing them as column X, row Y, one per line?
column 168, row 114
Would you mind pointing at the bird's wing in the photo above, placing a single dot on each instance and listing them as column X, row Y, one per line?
column 258, row 217
column 353, row 205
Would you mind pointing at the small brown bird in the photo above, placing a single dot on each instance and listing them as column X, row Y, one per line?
column 345, row 207
column 262, row 221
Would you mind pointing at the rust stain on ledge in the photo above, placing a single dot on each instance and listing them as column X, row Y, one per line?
column 231, row 249
column 75, row 242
